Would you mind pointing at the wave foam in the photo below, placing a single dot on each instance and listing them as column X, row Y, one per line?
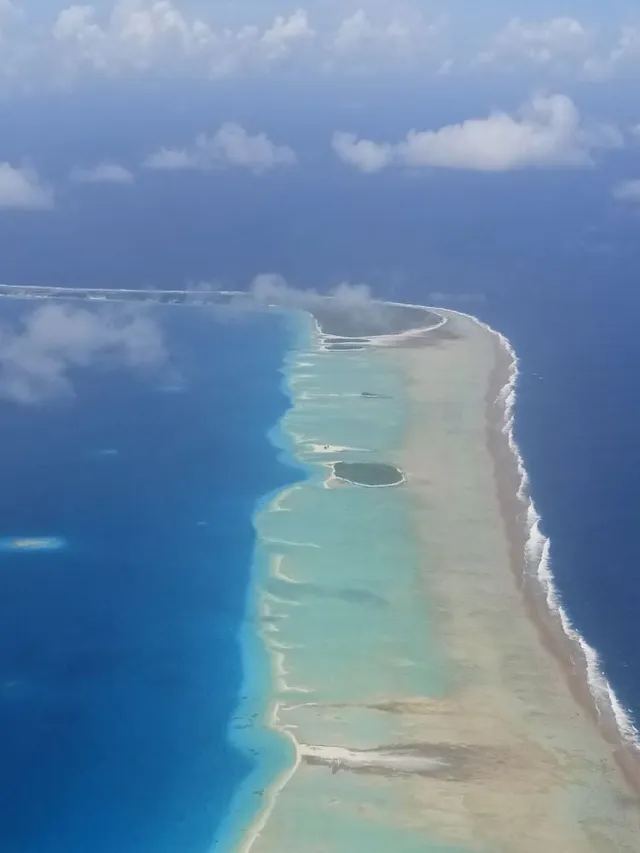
column 538, row 561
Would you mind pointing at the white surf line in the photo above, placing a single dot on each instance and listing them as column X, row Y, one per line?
column 275, row 570
column 297, row 438
column 276, row 503
column 276, row 598
column 373, row 340
column 256, row 829
column 321, row 395
column 275, row 541
column 298, row 705
column 537, row 557
column 285, row 647
column 350, row 348
column 281, row 673
column 295, row 378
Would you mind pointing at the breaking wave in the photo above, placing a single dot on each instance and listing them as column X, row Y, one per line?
column 538, row 562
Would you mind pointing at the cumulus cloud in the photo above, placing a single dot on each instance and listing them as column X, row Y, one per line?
column 358, row 31
column 401, row 38
column 627, row 191
column 285, row 32
column 145, row 35
column 37, row 356
column 171, row 159
column 21, row 189
column 353, row 302
column 364, row 154
column 121, row 38
column 555, row 40
column 182, row 38
column 622, row 58
column 548, row 131
column 134, row 35
column 103, row 173
column 230, row 146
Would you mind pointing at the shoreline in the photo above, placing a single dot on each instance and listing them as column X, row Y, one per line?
column 578, row 661
column 442, row 756
column 258, row 704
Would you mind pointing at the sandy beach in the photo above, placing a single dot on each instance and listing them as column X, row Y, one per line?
column 477, row 732
column 553, row 781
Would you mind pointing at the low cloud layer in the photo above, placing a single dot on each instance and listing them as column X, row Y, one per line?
column 21, row 189
column 559, row 43
column 548, row 131
column 231, row 147
column 37, row 355
column 273, row 289
column 354, row 301
column 103, row 173
column 61, row 43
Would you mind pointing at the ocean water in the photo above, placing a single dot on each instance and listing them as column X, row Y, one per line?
column 575, row 414
column 547, row 258
column 120, row 663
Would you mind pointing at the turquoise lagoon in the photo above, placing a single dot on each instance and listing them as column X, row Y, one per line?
column 338, row 614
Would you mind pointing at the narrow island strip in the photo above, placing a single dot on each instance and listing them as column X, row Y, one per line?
column 423, row 667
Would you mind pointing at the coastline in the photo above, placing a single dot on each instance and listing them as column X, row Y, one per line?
column 532, row 674
column 253, row 729
column 512, row 734
column 530, row 552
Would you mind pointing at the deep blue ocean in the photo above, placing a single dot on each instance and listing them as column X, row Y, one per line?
column 119, row 660
column 123, row 648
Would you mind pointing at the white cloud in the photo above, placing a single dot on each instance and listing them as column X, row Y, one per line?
column 104, row 173
column 273, row 289
column 623, row 57
column 364, row 154
column 254, row 49
column 146, row 35
column 170, row 159
column 546, row 132
column 286, row 32
column 350, row 301
column 367, row 42
column 135, row 35
column 36, row 357
column 539, row 42
column 222, row 39
column 358, row 31
column 230, row 146
column 21, row 189
column 627, row 191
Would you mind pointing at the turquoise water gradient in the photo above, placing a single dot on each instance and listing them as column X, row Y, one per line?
column 337, row 615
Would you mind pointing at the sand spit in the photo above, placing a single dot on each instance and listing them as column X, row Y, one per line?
column 502, row 752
